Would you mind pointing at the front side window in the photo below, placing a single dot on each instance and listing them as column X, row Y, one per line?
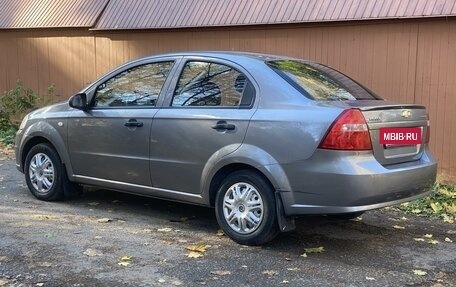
column 320, row 82
column 138, row 86
column 212, row 84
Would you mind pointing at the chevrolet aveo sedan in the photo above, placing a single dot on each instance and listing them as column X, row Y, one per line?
column 261, row 138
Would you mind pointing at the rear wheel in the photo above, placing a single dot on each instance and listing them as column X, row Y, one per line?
column 245, row 208
column 44, row 172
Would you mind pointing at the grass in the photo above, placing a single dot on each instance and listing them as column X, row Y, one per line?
column 441, row 203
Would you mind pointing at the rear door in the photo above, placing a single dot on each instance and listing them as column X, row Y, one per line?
column 206, row 115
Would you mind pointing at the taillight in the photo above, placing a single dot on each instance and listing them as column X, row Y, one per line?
column 348, row 132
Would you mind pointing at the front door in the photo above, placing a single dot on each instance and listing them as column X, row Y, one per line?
column 207, row 115
column 110, row 141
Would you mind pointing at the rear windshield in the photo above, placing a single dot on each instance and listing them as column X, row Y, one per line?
column 319, row 82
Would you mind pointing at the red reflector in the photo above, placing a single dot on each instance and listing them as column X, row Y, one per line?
column 400, row 136
column 348, row 132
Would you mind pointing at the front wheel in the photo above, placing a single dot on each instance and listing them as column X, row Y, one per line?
column 245, row 208
column 44, row 172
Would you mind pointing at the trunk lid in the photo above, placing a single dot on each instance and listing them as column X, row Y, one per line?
column 383, row 114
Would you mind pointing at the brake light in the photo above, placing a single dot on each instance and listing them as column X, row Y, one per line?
column 348, row 132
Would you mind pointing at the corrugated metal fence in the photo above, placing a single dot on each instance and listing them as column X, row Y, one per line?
column 410, row 61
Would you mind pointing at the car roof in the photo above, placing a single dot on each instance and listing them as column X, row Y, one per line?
column 227, row 55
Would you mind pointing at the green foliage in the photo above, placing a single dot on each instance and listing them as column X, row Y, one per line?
column 440, row 203
column 14, row 105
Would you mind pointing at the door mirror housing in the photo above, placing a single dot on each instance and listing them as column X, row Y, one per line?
column 79, row 101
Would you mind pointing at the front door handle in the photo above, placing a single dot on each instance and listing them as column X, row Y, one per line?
column 223, row 125
column 133, row 123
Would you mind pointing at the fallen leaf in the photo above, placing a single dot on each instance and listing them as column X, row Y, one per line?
column 285, row 282
column 447, row 218
column 197, row 248
column 166, row 229
column 126, row 258
column 436, row 207
column 104, row 220
column 97, row 237
column 398, row 227
column 403, row 218
column 288, row 259
column 93, row 203
column 370, row 279
column 161, row 280
column 120, row 221
column 43, row 217
column 221, row 272
column 91, row 252
column 147, row 230
column 244, row 266
column 293, row 269
column 428, row 235
column 48, row 235
column 304, row 255
column 320, row 249
column 270, row 272
column 416, row 211
column 220, row 233
column 44, row 264
column 193, row 254
column 448, row 240
column 176, row 282
column 433, row 242
column 39, row 284
column 419, row 272
column 419, row 239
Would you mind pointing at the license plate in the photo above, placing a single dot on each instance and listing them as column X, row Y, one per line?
column 400, row 136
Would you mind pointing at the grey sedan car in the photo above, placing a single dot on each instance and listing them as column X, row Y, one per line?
column 261, row 138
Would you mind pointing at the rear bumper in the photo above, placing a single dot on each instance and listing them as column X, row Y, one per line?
column 342, row 182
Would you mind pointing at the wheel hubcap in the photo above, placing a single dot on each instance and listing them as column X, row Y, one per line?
column 41, row 173
column 243, row 208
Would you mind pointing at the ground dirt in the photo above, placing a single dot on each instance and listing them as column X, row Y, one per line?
column 64, row 244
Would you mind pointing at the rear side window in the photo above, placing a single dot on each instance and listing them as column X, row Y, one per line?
column 319, row 82
column 212, row 84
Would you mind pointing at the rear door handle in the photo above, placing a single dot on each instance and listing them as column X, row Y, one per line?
column 223, row 125
column 133, row 123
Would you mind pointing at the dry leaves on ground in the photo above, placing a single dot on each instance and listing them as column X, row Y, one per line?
column 104, row 220
column 91, row 252
column 125, row 260
column 221, row 272
column 196, row 251
column 419, row 272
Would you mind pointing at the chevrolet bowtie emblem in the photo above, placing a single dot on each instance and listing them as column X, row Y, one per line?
column 406, row 113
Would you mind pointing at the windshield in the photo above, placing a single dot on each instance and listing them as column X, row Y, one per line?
column 319, row 82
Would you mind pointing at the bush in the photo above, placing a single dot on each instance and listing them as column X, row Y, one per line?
column 14, row 105
column 440, row 203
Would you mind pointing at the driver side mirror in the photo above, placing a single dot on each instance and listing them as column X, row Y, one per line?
column 79, row 101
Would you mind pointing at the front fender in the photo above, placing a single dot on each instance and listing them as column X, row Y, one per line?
column 54, row 132
column 248, row 155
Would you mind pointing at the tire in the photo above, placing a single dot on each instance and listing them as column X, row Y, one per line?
column 346, row 216
column 247, row 225
column 44, row 173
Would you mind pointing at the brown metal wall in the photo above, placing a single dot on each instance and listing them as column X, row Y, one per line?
column 408, row 61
